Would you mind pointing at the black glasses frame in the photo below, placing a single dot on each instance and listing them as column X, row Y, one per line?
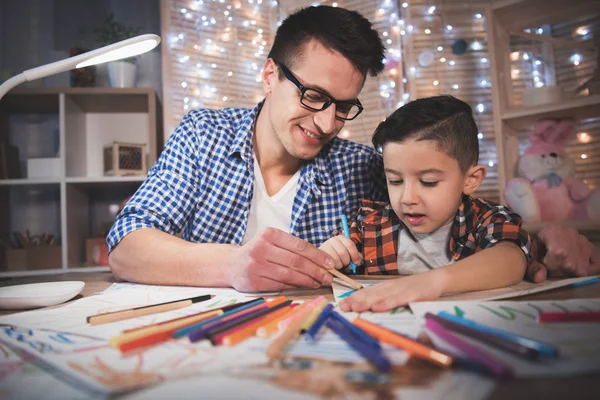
column 290, row 77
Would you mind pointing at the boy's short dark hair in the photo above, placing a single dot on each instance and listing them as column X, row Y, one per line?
column 341, row 30
column 445, row 120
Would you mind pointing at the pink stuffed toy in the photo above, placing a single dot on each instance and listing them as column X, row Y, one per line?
column 545, row 190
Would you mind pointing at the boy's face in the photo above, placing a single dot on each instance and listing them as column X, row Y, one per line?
column 425, row 185
column 301, row 133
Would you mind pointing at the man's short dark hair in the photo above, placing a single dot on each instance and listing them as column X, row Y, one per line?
column 341, row 30
column 445, row 120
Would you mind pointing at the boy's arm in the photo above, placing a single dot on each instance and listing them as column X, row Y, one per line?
column 498, row 266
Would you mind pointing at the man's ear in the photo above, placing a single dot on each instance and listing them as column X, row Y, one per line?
column 269, row 75
column 473, row 178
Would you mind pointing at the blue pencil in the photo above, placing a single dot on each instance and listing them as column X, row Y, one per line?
column 593, row 279
column 541, row 347
column 356, row 331
column 372, row 355
column 319, row 322
column 347, row 234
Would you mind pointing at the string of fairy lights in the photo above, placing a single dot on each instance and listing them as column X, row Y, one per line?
column 220, row 47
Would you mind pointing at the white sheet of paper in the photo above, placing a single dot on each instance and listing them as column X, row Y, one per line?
column 72, row 317
column 578, row 343
column 340, row 290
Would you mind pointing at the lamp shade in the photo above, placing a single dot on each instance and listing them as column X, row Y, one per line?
column 116, row 51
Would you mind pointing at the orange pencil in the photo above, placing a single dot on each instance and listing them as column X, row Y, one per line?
column 135, row 340
column 270, row 327
column 175, row 323
column 409, row 345
column 243, row 332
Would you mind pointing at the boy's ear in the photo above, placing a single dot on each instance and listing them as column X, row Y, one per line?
column 473, row 178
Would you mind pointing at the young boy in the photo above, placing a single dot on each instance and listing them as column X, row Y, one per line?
column 432, row 229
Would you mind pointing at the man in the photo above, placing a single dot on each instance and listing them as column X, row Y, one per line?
column 253, row 191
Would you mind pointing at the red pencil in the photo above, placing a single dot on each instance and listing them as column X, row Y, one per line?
column 577, row 316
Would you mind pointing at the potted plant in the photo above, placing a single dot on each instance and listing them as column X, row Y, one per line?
column 121, row 73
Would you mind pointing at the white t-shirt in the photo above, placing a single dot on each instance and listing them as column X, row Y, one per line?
column 422, row 252
column 270, row 211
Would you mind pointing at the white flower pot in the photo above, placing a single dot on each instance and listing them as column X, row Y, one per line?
column 121, row 74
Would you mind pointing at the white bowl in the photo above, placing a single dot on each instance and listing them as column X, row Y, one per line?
column 36, row 295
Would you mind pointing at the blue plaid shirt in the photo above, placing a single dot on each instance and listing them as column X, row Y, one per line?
column 203, row 181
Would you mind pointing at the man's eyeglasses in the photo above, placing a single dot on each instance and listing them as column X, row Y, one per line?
column 316, row 100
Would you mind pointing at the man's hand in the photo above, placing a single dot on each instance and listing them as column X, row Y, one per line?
column 567, row 254
column 276, row 260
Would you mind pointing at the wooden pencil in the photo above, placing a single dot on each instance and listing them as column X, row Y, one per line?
column 145, row 310
column 345, row 278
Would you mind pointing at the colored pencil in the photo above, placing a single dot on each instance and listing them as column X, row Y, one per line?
column 356, row 331
column 411, row 346
column 473, row 353
column 345, row 278
column 249, row 329
column 190, row 328
column 144, row 310
column 307, row 304
column 226, row 308
column 493, row 340
column 314, row 314
column 319, row 322
column 232, row 320
column 571, row 316
column 537, row 345
column 346, row 230
column 153, row 338
column 170, row 326
column 268, row 328
column 203, row 331
column 249, row 317
column 289, row 333
column 371, row 354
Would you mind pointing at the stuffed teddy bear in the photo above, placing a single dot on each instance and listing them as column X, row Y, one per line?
column 545, row 190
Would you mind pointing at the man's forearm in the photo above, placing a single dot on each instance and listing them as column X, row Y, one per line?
column 154, row 257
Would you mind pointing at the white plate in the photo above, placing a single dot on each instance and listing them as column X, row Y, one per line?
column 38, row 294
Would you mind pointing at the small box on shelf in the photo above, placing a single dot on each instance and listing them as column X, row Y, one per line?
column 34, row 258
column 96, row 252
column 125, row 159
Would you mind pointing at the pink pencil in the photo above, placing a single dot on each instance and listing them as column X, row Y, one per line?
column 577, row 316
column 471, row 352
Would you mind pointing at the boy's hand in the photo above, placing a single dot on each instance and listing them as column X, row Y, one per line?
column 394, row 293
column 342, row 250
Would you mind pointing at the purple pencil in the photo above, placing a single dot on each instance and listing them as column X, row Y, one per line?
column 471, row 352
column 204, row 331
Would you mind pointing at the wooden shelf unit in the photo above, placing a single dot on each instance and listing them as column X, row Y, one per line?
column 82, row 201
column 509, row 18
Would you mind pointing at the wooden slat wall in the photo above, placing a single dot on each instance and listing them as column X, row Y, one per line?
column 192, row 44
column 469, row 71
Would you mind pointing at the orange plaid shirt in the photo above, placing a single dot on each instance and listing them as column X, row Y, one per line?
column 478, row 224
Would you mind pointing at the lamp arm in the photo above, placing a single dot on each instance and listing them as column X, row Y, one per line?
column 11, row 83
column 116, row 51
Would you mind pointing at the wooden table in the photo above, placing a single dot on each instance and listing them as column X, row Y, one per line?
column 578, row 387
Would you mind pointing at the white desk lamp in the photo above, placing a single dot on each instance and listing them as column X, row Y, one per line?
column 116, row 51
